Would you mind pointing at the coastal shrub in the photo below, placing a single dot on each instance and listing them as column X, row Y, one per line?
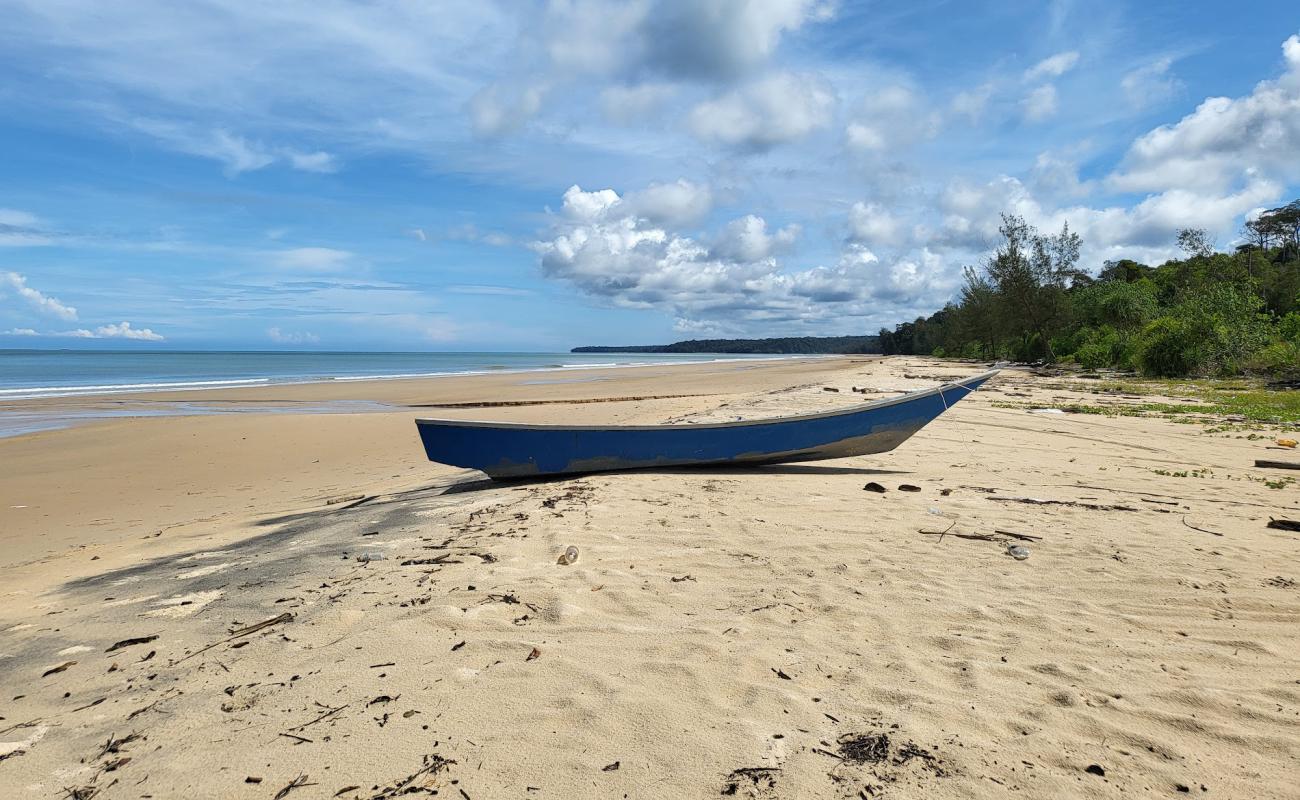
column 1117, row 304
column 1278, row 358
column 1228, row 319
column 1168, row 349
column 1289, row 327
column 1104, row 346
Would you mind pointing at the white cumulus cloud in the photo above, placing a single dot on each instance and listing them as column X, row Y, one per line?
column 873, row 224
column 775, row 110
column 41, row 302
column 731, row 280
column 681, row 202
column 1225, row 140
column 891, row 118
column 123, row 330
column 747, row 239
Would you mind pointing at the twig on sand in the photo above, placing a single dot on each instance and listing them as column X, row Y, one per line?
column 328, row 713
column 296, row 738
column 981, row 537
column 941, row 533
column 266, row 623
column 296, row 783
column 1202, row 530
column 1024, row 537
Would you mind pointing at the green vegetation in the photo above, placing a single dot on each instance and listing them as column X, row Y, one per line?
column 1246, row 399
column 790, row 344
column 1207, row 314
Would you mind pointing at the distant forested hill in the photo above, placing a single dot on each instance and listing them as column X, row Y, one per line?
column 809, row 345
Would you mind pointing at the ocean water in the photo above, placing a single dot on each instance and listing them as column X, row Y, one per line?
column 26, row 374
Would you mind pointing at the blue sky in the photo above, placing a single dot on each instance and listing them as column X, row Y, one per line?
column 536, row 176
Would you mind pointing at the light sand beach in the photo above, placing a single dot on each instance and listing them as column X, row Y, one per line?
column 183, row 612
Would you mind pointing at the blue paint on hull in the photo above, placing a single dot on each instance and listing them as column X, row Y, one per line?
column 505, row 450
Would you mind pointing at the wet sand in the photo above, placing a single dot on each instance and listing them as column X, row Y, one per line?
column 771, row 632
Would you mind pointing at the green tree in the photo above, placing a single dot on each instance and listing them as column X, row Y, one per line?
column 1031, row 273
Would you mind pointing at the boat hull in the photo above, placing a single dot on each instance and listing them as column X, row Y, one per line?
column 516, row 450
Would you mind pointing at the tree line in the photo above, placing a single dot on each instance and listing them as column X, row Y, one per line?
column 1207, row 313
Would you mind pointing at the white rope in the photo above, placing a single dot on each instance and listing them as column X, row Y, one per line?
column 946, row 407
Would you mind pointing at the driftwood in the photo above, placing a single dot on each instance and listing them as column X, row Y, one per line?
column 1284, row 524
column 1033, row 501
column 1266, row 464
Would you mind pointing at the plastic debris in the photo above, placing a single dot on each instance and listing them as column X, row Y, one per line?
column 569, row 556
column 1018, row 552
column 371, row 556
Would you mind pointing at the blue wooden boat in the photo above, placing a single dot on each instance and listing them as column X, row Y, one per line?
column 517, row 450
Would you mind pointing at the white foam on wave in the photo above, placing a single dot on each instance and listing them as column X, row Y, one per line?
column 32, row 392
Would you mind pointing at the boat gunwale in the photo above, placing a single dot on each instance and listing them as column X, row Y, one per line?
column 856, row 409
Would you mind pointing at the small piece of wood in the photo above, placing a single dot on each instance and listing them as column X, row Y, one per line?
column 1024, row 537
column 1266, row 464
column 1202, row 530
column 1034, row 501
column 266, row 623
column 131, row 642
column 1284, row 524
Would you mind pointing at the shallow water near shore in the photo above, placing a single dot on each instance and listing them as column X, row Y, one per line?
column 27, row 374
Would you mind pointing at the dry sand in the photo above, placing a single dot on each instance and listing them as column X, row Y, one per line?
column 773, row 632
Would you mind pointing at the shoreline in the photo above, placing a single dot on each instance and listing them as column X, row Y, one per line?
column 20, row 393
column 140, row 468
column 24, row 416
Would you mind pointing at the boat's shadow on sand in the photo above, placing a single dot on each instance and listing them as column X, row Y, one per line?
column 753, row 470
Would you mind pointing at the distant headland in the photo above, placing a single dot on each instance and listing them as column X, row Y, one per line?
column 808, row 345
